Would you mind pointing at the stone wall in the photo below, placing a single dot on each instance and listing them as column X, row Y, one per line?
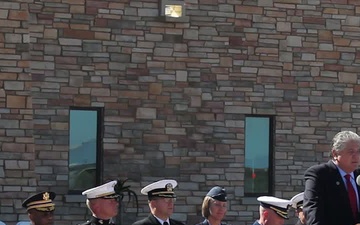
column 17, row 155
column 175, row 94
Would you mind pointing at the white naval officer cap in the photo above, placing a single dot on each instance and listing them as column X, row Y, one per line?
column 103, row 191
column 280, row 206
column 298, row 200
column 161, row 188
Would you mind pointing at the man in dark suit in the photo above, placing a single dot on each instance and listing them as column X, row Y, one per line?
column 40, row 208
column 161, row 198
column 331, row 196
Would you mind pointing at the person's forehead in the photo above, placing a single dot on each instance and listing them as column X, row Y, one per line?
column 41, row 213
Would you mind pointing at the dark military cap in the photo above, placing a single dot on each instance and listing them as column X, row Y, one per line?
column 42, row 201
column 217, row 193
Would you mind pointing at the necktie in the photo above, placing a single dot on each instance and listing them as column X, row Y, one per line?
column 165, row 223
column 352, row 195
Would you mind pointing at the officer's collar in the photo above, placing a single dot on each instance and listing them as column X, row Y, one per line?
column 100, row 221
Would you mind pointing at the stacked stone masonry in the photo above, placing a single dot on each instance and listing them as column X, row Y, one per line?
column 175, row 95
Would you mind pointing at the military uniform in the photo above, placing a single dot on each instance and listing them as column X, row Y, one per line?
column 105, row 191
column 40, row 208
column 95, row 221
column 156, row 190
column 151, row 220
column 217, row 194
column 278, row 205
column 298, row 202
column 206, row 222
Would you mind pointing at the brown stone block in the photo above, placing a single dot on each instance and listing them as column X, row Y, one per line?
column 314, row 20
column 29, row 103
column 91, row 10
column 205, row 116
column 158, row 123
column 345, row 77
column 162, row 99
column 60, row 25
column 353, row 2
column 82, row 100
column 226, row 61
column 2, row 93
column 13, row 147
column 97, row 4
column 155, row 88
column 243, row 23
column 23, row 64
column 65, row 60
column 59, row 126
column 24, row 140
column 18, row 15
column 173, row 160
column 8, row 76
column 77, row 9
column 101, row 22
column 333, row 67
column 137, row 71
column 331, row 107
column 79, row 34
column 285, row 86
column 102, row 36
column 327, row 55
column 341, row 41
column 79, row 26
column 175, row 65
column 15, row 101
column 150, row 138
column 248, row 9
column 115, row 5
column 287, row 66
column 331, row 11
column 133, row 94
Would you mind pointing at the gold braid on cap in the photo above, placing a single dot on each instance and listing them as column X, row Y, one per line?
column 280, row 212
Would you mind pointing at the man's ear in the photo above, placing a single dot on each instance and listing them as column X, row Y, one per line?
column 266, row 214
column 334, row 154
column 31, row 216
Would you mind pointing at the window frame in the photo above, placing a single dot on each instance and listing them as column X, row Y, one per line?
column 270, row 176
column 99, row 143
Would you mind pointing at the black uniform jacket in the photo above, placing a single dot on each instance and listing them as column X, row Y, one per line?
column 206, row 222
column 151, row 220
column 96, row 221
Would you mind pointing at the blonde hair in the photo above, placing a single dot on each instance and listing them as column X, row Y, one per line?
column 205, row 208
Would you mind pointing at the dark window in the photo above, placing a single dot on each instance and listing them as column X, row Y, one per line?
column 85, row 148
column 258, row 155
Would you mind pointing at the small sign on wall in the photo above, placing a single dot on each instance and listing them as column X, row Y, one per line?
column 173, row 11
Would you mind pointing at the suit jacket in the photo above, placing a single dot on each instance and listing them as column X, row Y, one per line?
column 326, row 199
column 151, row 220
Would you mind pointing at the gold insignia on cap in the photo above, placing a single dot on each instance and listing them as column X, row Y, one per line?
column 46, row 196
column 169, row 187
